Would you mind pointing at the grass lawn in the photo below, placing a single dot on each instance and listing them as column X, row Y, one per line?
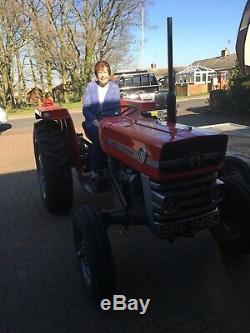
column 29, row 111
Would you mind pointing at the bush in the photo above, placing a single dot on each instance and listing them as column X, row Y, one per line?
column 219, row 100
column 239, row 92
column 239, row 96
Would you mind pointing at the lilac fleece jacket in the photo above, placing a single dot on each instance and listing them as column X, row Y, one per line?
column 91, row 104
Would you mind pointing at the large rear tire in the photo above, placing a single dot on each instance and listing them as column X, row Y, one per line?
column 94, row 253
column 53, row 166
column 233, row 231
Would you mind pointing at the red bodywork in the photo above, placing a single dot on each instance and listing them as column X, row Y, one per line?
column 47, row 101
column 141, row 106
column 55, row 112
column 144, row 145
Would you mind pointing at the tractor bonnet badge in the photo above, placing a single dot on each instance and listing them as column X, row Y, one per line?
column 194, row 158
column 142, row 155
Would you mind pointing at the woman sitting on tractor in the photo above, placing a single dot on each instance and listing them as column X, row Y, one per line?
column 101, row 94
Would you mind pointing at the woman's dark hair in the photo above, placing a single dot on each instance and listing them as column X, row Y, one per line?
column 100, row 64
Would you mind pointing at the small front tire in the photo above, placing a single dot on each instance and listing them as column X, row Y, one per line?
column 94, row 253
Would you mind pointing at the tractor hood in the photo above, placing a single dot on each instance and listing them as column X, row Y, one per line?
column 162, row 150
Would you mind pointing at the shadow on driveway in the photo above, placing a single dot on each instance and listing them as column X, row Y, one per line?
column 191, row 287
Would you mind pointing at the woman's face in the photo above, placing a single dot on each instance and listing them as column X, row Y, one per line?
column 103, row 76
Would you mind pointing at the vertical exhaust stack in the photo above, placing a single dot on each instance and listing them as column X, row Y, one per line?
column 171, row 98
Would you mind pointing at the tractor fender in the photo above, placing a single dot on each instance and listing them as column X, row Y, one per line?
column 51, row 112
column 59, row 114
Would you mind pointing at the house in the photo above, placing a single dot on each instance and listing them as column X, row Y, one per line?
column 223, row 66
column 194, row 80
column 205, row 75
column 162, row 74
column 195, row 75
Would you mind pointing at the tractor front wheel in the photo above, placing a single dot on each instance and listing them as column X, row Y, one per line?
column 53, row 166
column 94, row 253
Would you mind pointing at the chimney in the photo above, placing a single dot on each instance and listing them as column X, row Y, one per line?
column 224, row 53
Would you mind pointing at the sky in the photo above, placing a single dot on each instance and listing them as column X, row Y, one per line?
column 201, row 29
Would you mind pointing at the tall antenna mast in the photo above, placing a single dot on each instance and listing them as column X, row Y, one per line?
column 142, row 34
column 171, row 98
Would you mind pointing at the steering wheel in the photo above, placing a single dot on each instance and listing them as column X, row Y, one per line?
column 115, row 112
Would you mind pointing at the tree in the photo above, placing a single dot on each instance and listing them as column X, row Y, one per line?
column 44, row 39
column 106, row 24
column 13, row 32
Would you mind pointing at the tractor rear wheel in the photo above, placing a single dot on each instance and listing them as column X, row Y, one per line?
column 94, row 253
column 53, row 166
column 233, row 231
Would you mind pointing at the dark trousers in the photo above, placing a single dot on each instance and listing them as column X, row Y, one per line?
column 97, row 158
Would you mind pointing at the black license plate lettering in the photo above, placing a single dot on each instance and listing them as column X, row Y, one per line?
column 193, row 226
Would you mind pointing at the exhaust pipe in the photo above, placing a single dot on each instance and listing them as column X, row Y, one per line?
column 171, row 98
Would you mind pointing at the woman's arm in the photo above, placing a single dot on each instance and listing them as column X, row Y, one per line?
column 88, row 106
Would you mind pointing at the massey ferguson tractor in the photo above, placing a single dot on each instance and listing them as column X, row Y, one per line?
column 174, row 179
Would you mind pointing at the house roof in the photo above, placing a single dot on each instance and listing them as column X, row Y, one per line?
column 192, row 69
column 161, row 72
column 218, row 63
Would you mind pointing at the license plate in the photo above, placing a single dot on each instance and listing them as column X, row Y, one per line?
column 190, row 226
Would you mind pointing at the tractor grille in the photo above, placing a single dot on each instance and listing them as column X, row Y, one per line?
column 183, row 199
column 183, row 156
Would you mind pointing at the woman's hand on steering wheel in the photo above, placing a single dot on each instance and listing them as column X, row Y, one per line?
column 128, row 109
column 96, row 123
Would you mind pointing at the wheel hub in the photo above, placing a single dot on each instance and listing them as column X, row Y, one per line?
column 84, row 263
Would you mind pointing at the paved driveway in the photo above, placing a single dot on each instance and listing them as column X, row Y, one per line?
column 192, row 287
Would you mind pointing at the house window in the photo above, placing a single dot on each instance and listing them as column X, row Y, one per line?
column 198, row 78
column 204, row 77
column 224, row 75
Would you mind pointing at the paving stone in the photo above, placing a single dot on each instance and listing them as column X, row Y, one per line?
column 189, row 284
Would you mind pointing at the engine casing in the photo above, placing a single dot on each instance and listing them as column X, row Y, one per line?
column 160, row 150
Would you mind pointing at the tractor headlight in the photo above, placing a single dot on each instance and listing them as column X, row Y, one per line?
column 217, row 191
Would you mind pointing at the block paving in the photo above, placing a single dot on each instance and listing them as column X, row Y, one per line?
column 192, row 287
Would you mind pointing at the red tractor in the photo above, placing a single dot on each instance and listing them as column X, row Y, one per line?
column 173, row 178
